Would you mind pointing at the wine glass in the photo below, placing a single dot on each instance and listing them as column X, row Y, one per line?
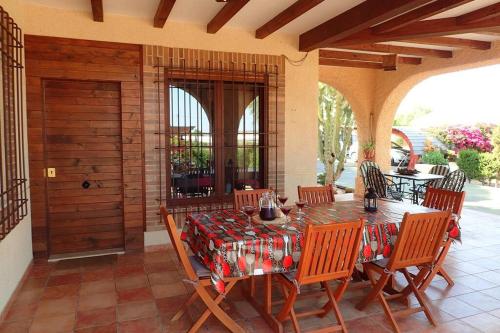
column 249, row 211
column 300, row 204
column 282, row 199
column 286, row 210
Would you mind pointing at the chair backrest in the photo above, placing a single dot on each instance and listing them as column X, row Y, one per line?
column 363, row 168
column 377, row 181
column 247, row 197
column 442, row 170
column 454, row 181
column 316, row 194
column 330, row 251
column 419, row 239
column 177, row 244
column 444, row 200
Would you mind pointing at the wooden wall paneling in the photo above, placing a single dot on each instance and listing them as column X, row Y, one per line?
column 72, row 59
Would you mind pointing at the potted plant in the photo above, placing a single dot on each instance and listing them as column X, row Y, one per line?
column 369, row 150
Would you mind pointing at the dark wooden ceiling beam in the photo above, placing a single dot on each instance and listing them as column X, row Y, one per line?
column 350, row 63
column 97, row 10
column 418, row 14
column 356, row 56
column 225, row 14
column 423, row 29
column 453, row 42
column 415, row 51
column 356, row 19
column 162, row 13
column 288, row 15
column 480, row 14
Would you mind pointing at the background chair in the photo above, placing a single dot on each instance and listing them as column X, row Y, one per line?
column 441, row 170
column 384, row 188
column 443, row 200
column 247, row 198
column 418, row 243
column 454, row 181
column 316, row 194
column 363, row 168
column 330, row 253
column 199, row 276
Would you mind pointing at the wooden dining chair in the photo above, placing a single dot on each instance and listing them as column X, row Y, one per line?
column 419, row 240
column 443, row 200
column 199, row 277
column 316, row 194
column 330, row 253
column 247, row 197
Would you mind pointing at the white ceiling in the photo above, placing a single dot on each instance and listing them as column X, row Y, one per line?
column 252, row 16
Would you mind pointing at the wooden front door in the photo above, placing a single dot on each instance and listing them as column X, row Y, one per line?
column 83, row 145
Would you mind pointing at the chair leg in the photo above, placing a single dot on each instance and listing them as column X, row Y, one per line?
column 376, row 290
column 339, row 292
column 438, row 268
column 419, row 296
column 213, row 308
column 335, row 307
column 184, row 307
column 288, row 305
column 293, row 316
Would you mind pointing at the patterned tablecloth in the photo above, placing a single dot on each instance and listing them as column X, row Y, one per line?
column 222, row 241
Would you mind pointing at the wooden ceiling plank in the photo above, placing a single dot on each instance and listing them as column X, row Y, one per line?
column 162, row 13
column 350, row 63
column 453, row 42
column 390, row 62
column 484, row 13
column 356, row 19
column 356, row 56
column 418, row 14
column 288, row 15
column 225, row 14
column 416, row 51
column 97, row 10
column 423, row 29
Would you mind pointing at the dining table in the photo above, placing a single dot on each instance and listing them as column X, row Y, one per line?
column 419, row 177
column 229, row 246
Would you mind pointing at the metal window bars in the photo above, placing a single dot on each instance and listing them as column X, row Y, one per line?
column 218, row 132
column 13, row 187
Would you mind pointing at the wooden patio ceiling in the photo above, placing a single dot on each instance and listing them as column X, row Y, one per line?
column 365, row 35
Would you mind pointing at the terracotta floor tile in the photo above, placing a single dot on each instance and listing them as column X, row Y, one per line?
column 29, row 296
column 129, row 270
column 34, row 284
column 97, row 275
column 55, row 307
column 64, row 290
column 455, row 326
column 145, row 325
column 15, row 327
column 456, row 307
column 366, row 326
column 97, row 287
column 168, row 290
column 134, row 295
column 97, row 301
column 21, row 312
column 132, row 282
column 40, row 271
column 136, row 310
column 484, row 322
column 58, row 280
column 54, row 324
column 99, row 317
column 481, row 300
column 166, row 277
column 160, row 267
column 475, row 282
column 111, row 328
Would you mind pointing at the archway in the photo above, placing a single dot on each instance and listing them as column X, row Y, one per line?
column 337, row 138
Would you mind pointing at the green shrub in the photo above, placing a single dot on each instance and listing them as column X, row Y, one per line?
column 489, row 166
column 321, row 178
column 468, row 162
column 434, row 158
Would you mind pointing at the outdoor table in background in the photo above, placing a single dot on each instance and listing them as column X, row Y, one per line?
column 418, row 177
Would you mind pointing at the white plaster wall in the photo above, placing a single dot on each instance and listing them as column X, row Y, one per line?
column 15, row 250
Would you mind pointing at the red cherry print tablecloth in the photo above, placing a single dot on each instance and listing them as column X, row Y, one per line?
column 222, row 241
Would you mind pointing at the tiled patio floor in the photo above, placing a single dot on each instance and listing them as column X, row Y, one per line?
column 141, row 292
